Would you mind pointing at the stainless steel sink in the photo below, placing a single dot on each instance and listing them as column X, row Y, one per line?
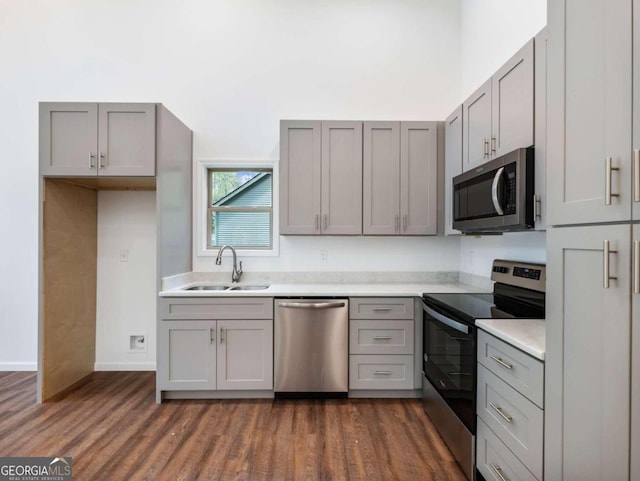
column 207, row 288
column 248, row 288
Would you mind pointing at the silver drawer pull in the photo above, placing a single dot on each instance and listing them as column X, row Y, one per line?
column 385, row 373
column 501, row 362
column 499, row 410
column 381, row 309
column 498, row 471
column 381, row 338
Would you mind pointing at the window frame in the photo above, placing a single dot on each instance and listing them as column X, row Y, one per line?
column 202, row 198
column 211, row 209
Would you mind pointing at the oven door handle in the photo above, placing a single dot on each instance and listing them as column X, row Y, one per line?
column 458, row 326
column 494, row 191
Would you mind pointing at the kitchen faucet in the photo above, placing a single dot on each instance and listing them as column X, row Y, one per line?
column 235, row 273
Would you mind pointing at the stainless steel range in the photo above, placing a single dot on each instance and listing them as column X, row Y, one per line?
column 449, row 348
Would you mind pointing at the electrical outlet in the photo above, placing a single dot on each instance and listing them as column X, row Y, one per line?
column 138, row 342
column 324, row 256
column 124, row 255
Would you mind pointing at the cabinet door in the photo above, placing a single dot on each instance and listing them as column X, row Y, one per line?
column 540, row 130
column 452, row 164
column 341, row 177
column 419, row 178
column 245, row 354
column 635, row 357
column 68, row 138
column 476, row 132
column 587, row 365
column 636, row 112
column 381, row 178
column 127, row 139
column 186, row 355
column 300, row 159
column 512, row 103
column 589, row 110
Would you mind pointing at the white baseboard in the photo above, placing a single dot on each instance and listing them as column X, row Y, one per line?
column 124, row 366
column 18, row 366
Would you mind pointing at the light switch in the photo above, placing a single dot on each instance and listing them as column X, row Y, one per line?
column 124, row 255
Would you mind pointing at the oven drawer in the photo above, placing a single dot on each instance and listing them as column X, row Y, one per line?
column 512, row 417
column 381, row 372
column 380, row 337
column 494, row 460
column 381, row 308
column 516, row 368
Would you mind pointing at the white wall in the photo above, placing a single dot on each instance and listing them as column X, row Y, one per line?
column 126, row 297
column 230, row 69
column 491, row 32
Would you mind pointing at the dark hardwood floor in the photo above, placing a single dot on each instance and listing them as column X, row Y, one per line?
column 114, row 430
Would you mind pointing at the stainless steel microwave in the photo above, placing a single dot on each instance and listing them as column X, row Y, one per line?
column 496, row 196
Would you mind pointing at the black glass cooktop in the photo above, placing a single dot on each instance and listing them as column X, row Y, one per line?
column 504, row 303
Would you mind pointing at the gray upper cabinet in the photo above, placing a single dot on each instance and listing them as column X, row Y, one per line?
column 476, row 131
column 588, row 359
column 452, row 164
column 589, row 111
column 400, row 178
column 300, row 171
column 540, row 130
column 341, row 177
column 636, row 115
column 498, row 117
column 88, row 139
column 320, row 177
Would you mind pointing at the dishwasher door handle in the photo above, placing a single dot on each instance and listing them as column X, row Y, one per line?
column 312, row 305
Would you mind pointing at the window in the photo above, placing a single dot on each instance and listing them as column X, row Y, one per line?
column 239, row 208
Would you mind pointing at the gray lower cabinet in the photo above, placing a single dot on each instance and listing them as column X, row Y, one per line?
column 320, row 177
column 452, row 164
column 381, row 343
column 509, row 407
column 498, row 117
column 97, row 139
column 400, row 178
column 197, row 352
column 589, row 354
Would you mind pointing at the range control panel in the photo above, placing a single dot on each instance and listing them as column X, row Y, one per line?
column 521, row 274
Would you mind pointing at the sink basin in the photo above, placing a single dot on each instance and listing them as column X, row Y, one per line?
column 207, row 288
column 248, row 288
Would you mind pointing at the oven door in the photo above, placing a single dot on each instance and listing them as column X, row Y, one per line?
column 449, row 362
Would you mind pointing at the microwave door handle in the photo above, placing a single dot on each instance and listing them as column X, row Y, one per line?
column 494, row 191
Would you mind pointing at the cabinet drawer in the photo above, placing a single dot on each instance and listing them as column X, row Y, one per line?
column 380, row 372
column 513, row 418
column 519, row 370
column 216, row 308
column 381, row 308
column 494, row 460
column 380, row 337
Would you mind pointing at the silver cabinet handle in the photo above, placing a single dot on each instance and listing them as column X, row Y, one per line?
column 499, row 410
column 92, row 160
column 636, row 175
column 381, row 309
column 501, row 362
column 326, row 221
column 498, row 471
column 384, row 373
column 221, row 335
column 607, row 182
column 485, row 149
column 404, row 223
column 317, row 222
column 396, row 223
column 212, row 335
column 312, row 305
column 607, row 276
column 494, row 191
column 537, row 207
column 381, row 338
column 493, row 145
column 102, row 160
column 636, row 267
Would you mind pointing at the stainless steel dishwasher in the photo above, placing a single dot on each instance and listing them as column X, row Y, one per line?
column 311, row 348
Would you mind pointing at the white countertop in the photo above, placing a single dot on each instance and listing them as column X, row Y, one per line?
column 318, row 290
column 528, row 335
